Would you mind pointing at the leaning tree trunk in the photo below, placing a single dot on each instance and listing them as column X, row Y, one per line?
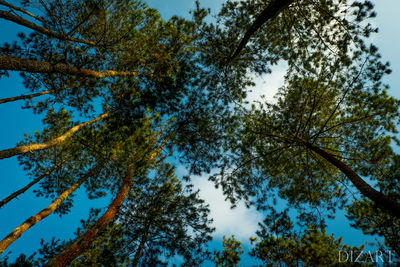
column 34, row 66
column 270, row 12
column 17, row 232
column 365, row 189
column 82, row 243
column 22, row 97
column 25, row 188
column 26, row 23
column 7, row 153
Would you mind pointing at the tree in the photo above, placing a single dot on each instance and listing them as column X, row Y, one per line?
column 164, row 218
column 371, row 219
column 311, row 246
column 175, row 85
column 230, row 254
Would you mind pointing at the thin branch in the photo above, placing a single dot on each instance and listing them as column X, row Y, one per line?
column 26, row 23
column 7, row 153
column 17, row 232
column 21, row 10
column 16, row 98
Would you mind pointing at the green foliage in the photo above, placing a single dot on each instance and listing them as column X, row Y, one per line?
column 371, row 219
column 280, row 244
column 230, row 254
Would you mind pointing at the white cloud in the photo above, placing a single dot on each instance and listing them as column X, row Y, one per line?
column 240, row 221
column 267, row 84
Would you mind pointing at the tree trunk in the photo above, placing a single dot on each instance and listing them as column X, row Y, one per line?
column 78, row 247
column 365, row 189
column 20, row 10
column 24, row 189
column 81, row 244
column 16, row 98
column 139, row 251
column 7, row 153
column 17, row 232
column 270, row 12
column 34, row 66
column 26, row 23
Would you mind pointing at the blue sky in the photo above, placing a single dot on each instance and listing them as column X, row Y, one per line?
column 241, row 222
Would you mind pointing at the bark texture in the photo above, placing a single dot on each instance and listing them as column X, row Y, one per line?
column 270, row 12
column 22, row 97
column 365, row 189
column 7, row 153
column 19, row 64
column 17, row 232
column 26, row 23
column 25, row 188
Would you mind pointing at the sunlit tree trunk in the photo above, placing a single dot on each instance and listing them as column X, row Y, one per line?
column 22, row 97
column 7, row 153
column 25, row 188
column 17, row 232
column 20, row 10
column 33, row 66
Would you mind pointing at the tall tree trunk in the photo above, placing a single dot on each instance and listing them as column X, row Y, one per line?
column 140, row 249
column 19, row 64
column 17, row 232
column 20, row 10
column 21, row 97
column 365, row 189
column 26, row 23
column 81, row 244
column 7, row 153
column 25, row 188
column 270, row 12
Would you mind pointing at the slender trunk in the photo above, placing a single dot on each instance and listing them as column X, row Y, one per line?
column 19, row 64
column 20, row 10
column 81, row 244
column 140, row 249
column 7, row 153
column 270, row 12
column 24, row 189
column 365, row 189
column 26, row 23
column 16, row 98
column 17, row 232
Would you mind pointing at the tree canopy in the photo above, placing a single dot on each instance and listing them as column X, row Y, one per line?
column 128, row 96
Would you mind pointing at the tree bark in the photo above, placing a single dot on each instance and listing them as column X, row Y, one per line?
column 365, row 189
column 16, row 98
column 20, row 10
column 78, row 247
column 19, row 64
column 7, row 153
column 270, row 12
column 26, row 23
column 81, row 244
column 24, row 189
column 17, row 232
